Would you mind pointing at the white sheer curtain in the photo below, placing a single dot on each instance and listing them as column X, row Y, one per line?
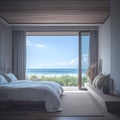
column 19, row 54
column 93, row 51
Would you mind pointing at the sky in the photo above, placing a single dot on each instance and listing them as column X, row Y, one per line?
column 54, row 51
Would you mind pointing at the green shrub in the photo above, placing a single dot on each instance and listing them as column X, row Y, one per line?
column 84, row 80
column 64, row 80
column 32, row 77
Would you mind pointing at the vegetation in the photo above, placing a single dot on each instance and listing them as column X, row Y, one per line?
column 64, row 80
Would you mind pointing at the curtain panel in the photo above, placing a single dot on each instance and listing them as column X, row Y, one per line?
column 19, row 54
column 79, row 61
column 93, row 49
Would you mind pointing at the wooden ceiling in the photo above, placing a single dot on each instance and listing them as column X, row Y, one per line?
column 55, row 11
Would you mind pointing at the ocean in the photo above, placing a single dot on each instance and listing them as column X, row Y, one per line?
column 54, row 71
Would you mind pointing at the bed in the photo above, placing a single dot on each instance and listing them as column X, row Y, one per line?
column 26, row 90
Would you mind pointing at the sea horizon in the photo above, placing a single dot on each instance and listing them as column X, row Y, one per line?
column 54, row 71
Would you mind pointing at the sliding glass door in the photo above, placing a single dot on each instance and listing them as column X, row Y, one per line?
column 84, row 39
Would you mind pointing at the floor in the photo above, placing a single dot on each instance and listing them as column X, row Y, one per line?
column 70, row 88
column 55, row 118
column 107, row 116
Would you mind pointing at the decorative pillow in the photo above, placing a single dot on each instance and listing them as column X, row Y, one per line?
column 10, row 77
column 2, row 80
column 6, row 77
column 96, row 79
column 103, row 81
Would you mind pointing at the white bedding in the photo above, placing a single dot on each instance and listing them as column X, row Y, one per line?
column 27, row 90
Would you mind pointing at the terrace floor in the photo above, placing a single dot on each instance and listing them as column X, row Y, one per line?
column 70, row 88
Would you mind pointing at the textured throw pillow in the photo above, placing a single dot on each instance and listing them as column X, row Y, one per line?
column 96, row 79
column 103, row 81
column 2, row 80
column 10, row 77
column 6, row 77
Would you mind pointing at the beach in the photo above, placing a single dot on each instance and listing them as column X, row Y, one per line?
column 53, row 71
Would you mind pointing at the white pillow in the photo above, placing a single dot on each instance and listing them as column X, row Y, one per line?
column 11, row 77
column 96, row 79
column 2, row 80
column 103, row 81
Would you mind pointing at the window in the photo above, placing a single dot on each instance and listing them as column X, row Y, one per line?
column 53, row 58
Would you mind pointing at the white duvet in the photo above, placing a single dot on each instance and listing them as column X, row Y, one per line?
column 27, row 90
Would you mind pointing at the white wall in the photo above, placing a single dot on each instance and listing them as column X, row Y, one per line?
column 115, row 45
column 109, row 46
column 5, row 47
column 104, row 45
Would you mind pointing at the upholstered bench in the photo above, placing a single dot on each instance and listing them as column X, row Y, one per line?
column 108, row 101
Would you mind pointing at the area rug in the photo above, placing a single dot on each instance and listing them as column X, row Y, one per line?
column 73, row 104
column 78, row 104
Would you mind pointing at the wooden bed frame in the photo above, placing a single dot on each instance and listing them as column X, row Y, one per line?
column 22, row 105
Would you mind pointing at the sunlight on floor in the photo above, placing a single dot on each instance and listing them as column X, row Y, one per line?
column 70, row 88
column 73, row 89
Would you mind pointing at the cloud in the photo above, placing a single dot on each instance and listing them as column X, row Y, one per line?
column 29, row 43
column 85, row 61
column 70, row 63
column 85, row 57
column 40, row 45
column 74, row 61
